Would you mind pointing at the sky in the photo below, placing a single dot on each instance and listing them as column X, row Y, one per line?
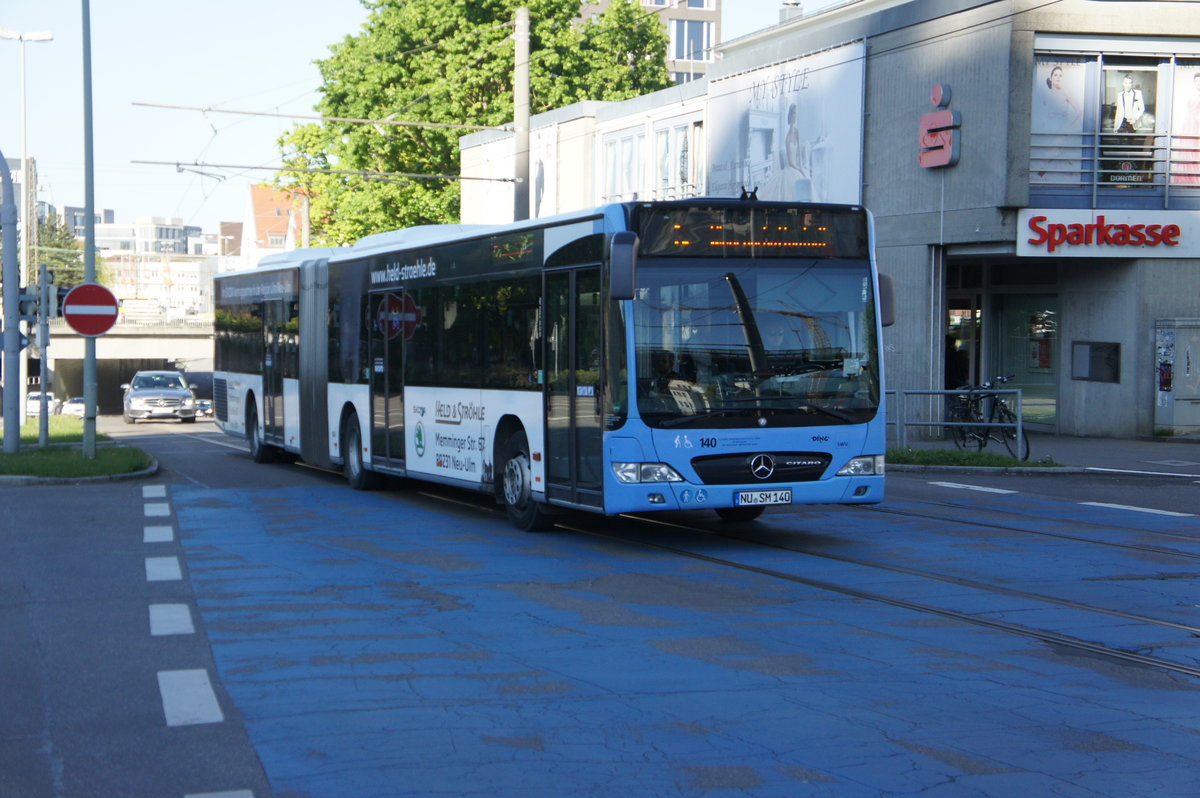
column 250, row 55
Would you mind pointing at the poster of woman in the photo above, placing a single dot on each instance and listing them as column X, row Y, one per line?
column 1185, row 128
column 1056, row 122
column 793, row 131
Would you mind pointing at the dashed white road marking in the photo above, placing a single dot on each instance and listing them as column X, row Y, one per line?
column 154, row 491
column 171, row 619
column 1139, row 509
column 241, row 447
column 960, row 486
column 158, row 534
column 188, row 698
column 228, row 794
column 163, row 569
column 157, row 509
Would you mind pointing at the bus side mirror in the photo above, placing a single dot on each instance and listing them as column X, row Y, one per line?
column 887, row 301
column 622, row 260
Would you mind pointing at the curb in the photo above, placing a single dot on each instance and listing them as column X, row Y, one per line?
column 149, row 471
column 954, row 469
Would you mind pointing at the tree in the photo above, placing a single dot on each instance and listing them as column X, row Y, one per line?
column 57, row 248
column 450, row 62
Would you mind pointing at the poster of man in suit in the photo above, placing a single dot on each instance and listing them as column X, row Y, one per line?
column 1128, row 120
column 793, row 130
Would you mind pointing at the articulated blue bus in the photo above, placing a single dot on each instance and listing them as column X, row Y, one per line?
column 703, row 354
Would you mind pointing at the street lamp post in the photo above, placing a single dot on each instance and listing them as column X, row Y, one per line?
column 27, row 224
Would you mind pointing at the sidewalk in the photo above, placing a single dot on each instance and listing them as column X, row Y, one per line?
column 1177, row 456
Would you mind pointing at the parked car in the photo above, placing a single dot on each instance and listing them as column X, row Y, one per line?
column 75, row 406
column 204, row 408
column 33, row 403
column 159, row 394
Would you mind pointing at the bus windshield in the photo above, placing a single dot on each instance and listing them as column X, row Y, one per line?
column 741, row 342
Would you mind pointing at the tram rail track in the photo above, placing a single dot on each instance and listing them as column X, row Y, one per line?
column 1121, row 655
column 1124, row 656
column 1143, row 549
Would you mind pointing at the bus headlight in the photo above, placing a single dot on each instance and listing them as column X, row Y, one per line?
column 645, row 472
column 869, row 466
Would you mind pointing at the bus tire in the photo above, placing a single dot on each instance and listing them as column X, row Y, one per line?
column 260, row 452
column 522, row 510
column 357, row 474
column 737, row 515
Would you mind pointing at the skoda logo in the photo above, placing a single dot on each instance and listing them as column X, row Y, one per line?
column 762, row 466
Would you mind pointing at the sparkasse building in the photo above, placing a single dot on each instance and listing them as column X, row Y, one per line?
column 1033, row 169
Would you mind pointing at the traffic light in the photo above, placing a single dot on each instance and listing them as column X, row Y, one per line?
column 27, row 304
column 57, row 295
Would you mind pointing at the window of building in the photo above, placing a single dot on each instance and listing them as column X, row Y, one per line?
column 623, row 165
column 691, row 40
column 697, row 3
column 678, row 157
column 1116, row 120
column 275, row 240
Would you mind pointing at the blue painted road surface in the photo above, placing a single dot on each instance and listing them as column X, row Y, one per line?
column 387, row 645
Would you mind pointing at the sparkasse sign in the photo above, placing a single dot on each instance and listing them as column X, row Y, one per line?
column 1065, row 233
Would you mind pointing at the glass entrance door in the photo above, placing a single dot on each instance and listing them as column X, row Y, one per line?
column 963, row 317
column 573, row 394
column 1026, row 333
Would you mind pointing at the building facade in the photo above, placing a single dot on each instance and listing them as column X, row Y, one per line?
column 149, row 235
column 1033, row 170
column 694, row 28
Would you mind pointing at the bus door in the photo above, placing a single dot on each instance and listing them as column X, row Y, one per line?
column 276, row 313
column 385, row 315
column 573, row 386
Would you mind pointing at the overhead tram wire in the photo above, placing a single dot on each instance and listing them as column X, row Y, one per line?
column 180, row 166
column 318, row 118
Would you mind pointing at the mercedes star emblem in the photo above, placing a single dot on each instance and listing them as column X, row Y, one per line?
column 762, row 466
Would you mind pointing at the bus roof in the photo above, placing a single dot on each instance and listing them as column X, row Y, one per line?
column 292, row 256
column 411, row 237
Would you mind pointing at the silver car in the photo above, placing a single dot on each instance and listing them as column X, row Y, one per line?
column 159, row 395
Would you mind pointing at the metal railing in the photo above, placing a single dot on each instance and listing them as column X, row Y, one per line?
column 1096, row 161
column 898, row 422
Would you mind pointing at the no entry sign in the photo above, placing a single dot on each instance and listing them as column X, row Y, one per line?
column 90, row 309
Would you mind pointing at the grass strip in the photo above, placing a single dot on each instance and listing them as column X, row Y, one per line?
column 68, row 462
column 63, row 458
column 937, row 456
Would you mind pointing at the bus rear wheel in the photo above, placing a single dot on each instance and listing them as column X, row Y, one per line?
column 352, row 459
column 739, row 514
column 522, row 510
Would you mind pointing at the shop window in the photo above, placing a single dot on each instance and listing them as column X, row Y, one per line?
column 1108, row 121
column 1095, row 362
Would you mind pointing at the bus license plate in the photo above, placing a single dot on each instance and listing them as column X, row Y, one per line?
column 764, row 497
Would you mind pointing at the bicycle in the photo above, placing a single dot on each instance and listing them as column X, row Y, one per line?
column 999, row 424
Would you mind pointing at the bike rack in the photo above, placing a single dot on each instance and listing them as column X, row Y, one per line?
column 897, row 417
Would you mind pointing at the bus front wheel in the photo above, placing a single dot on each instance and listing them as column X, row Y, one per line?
column 352, row 459
column 519, row 504
column 260, row 452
